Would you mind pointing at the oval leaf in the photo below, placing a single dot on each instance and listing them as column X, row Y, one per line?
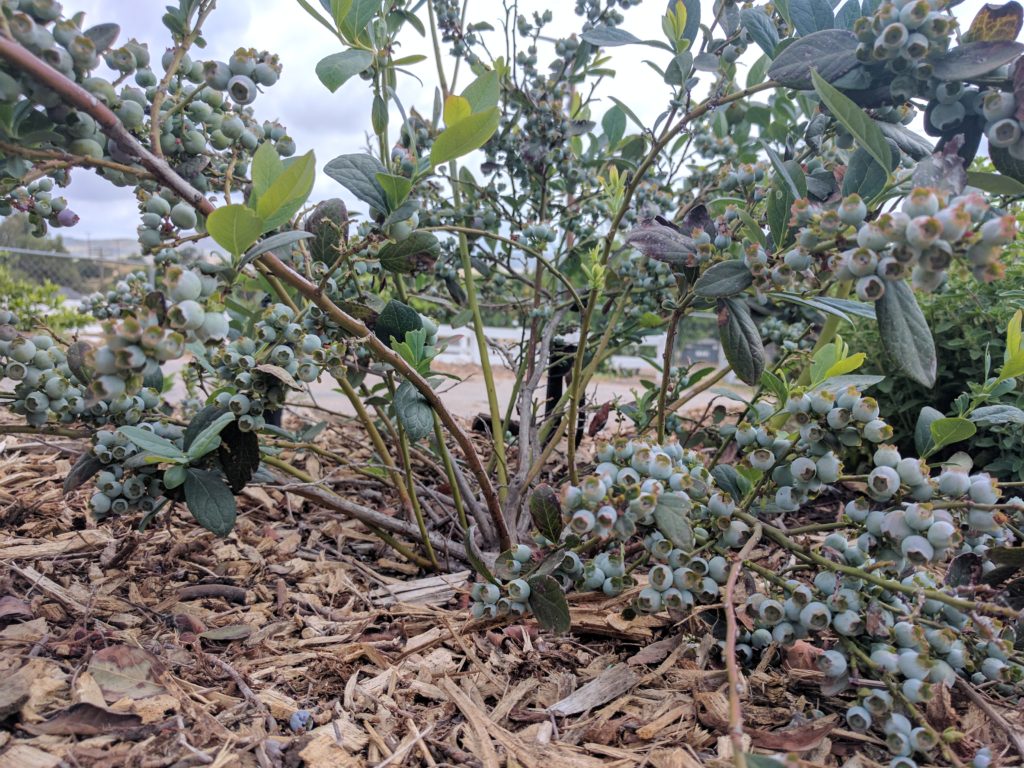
column 832, row 52
column 547, row 601
column 413, row 411
column 726, row 278
column 855, row 120
column 210, row 501
column 741, row 341
column 234, row 228
column 974, row 59
column 336, row 69
column 946, row 431
column 546, row 512
column 463, row 137
column 905, row 333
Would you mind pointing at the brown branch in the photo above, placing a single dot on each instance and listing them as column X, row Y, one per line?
column 56, row 158
column 81, row 99
column 735, row 709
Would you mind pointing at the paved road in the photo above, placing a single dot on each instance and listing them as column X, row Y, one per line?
column 467, row 396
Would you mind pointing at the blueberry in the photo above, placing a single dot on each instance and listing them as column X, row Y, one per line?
column 832, row 664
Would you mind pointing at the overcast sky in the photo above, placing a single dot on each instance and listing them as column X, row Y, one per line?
column 334, row 124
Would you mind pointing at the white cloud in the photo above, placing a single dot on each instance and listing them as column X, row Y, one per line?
column 333, row 124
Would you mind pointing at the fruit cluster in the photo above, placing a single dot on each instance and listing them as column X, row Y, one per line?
column 207, row 130
column 900, row 36
column 652, row 520
column 920, row 240
column 1003, row 126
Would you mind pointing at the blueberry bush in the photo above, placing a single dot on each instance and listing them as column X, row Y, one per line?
column 807, row 172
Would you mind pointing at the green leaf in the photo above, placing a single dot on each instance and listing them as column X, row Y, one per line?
column 463, row 137
column 152, row 443
column 864, row 176
column 418, row 252
column 729, row 479
column 726, row 278
column 975, row 59
column 855, row 120
column 288, row 193
column 670, row 518
column 604, row 36
column 396, row 188
column 861, row 381
column 234, row 228
column 832, row 52
column 475, row 558
column 810, row 16
column 845, row 366
column 272, row 243
column 175, row 476
column 210, row 501
column 395, row 320
column 483, row 93
column 413, row 411
column 201, row 421
column 267, row 165
column 905, row 333
column 358, row 174
column 741, row 340
column 209, row 438
column 995, row 183
column 339, row 10
column 546, row 512
column 335, row 70
column 614, row 126
column 358, row 19
column 761, row 28
column 548, row 603
column 775, row 385
column 949, row 430
column 923, row 440
column 455, row 109
column 85, row 467
column 997, row 414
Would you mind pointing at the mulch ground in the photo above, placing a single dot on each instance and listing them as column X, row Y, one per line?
column 300, row 641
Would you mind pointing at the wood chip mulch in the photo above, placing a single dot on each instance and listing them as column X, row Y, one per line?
column 300, row 641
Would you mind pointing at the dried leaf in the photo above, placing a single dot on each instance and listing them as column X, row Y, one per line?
column 799, row 738
column 85, row 719
column 225, row 634
column 125, row 671
column 14, row 608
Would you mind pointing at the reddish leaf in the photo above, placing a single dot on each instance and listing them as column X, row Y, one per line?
column 799, row 738
column 996, row 22
column 84, row 719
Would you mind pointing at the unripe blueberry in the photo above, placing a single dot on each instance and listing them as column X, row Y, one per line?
column 832, row 664
column 883, row 482
column 485, row 592
column 242, row 90
column 1003, row 133
column 518, row 590
column 859, row 719
column 649, row 600
column 762, row 459
column 816, row 616
column 183, row 216
column 582, row 522
column 829, row 468
column 954, row 482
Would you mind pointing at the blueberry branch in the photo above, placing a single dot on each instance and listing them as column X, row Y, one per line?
column 780, row 537
column 78, row 97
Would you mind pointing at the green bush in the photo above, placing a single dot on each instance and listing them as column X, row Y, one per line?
column 968, row 320
column 31, row 301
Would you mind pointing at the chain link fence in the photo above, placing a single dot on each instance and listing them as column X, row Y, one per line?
column 75, row 276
